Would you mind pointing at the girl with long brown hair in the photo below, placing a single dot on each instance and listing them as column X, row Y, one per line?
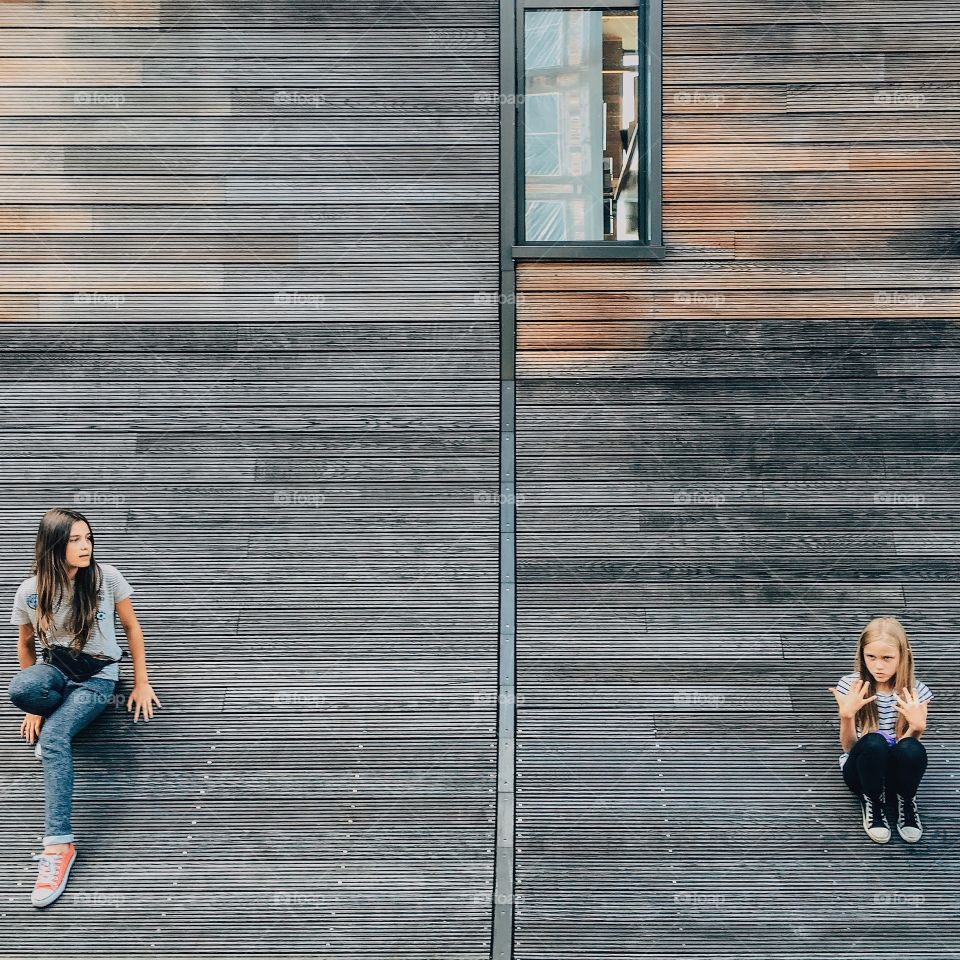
column 69, row 604
column 883, row 714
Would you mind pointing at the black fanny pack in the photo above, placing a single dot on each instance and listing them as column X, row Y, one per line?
column 77, row 666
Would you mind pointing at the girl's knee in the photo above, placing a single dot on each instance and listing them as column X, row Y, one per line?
column 874, row 742
column 27, row 679
column 910, row 746
column 33, row 689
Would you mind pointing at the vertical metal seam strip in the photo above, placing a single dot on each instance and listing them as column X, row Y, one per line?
column 502, row 919
column 503, row 888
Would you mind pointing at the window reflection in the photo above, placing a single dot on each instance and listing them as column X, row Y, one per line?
column 580, row 148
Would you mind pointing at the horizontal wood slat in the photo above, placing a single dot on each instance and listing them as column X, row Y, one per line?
column 920, row 154
column 376, row 99
column 794, row 244
column 555, row 277
column 274, row 309
column 809, row 187
column 331, row 219
column 767, row 334
column 772, row 13
column 906, row 124
column 291, row 283
column 365, row 14
column 726, row 98
column 341, row 67
column 231, row 190
column 835, row 66
column 355, row 250
column 382, row 41
column 864, row 37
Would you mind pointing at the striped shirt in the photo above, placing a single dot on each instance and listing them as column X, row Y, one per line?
column 886, row 707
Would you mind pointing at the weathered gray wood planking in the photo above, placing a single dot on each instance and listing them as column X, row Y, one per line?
column 249, row 264
column 727, row 463
column 392, row 637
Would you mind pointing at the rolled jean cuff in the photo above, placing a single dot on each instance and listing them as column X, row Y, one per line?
column 59, row 838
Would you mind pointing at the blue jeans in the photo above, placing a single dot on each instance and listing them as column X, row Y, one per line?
column 67, row 707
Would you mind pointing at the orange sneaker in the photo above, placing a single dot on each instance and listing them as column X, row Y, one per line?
column 52, row 875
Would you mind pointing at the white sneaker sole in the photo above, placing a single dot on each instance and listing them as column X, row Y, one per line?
column 876, row 834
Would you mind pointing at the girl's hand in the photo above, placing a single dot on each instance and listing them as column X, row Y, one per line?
column 30, row 727
column 142, row 697
column 850, row 704
column 912, row 709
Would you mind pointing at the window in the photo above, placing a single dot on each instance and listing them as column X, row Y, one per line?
column 586, row 130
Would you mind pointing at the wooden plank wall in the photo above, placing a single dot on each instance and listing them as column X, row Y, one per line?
column 728, row 462
column 248, row 273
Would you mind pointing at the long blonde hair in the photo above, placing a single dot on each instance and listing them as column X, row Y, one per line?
column 890, row 630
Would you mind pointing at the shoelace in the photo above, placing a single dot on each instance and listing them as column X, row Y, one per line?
column 909, row 815
column 48, row 868
column 876, row 814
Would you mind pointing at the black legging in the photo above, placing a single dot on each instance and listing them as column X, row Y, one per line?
column 873, row 763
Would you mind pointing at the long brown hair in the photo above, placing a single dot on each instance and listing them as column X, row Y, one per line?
column 53, row 582
column 890, row 630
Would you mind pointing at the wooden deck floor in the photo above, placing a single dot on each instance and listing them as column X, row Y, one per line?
column 280, row 407
column 700, row 542
column 314, row 565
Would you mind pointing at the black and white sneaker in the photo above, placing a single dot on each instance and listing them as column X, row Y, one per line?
column 908, row 819
column 875, row 821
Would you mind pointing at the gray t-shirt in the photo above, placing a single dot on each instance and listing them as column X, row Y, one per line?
column 103, row 636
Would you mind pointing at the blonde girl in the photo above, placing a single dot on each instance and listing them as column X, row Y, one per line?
column 883, row 714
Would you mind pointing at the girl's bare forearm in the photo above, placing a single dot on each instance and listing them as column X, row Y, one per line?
column 26, row 653
column 848, row 733
column 138, row 655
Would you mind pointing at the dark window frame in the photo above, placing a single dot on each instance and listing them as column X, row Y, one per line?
column 650, row 246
